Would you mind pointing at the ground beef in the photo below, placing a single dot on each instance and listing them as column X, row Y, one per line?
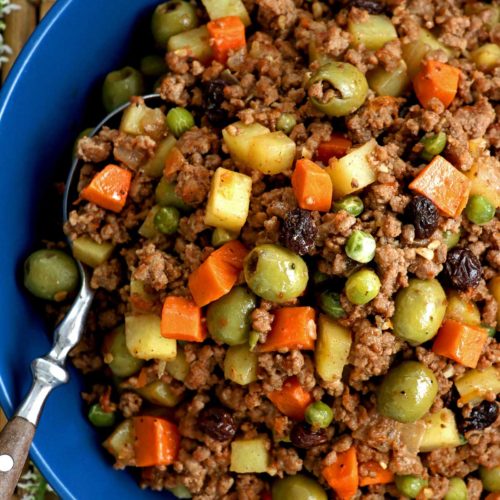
column 130, row 404
column 93, row 149
column 276, row 15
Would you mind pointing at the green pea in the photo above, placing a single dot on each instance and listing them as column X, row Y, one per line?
column 407, row 392
column 50, row 274
column 167, row 197
column 228, row 318
column 319, row 277
column 361, row 247
column 286, row 122
column 362, row 286
column 117, row 356
column 275, row 273
column 153, row 65
column 490, row 478
column 353, row 205
column 451, row 239
column 329, row 303
column 319, row 414
column 479, row 210
column 491, row 331
column 100, row 418
column 433, row 145
column 410, row 486
column 457, row 489
column 179, row 120
column 220, row 236
column 298, row 487
column 119, row 86
column 348, row 91
column 167, row 220
column 171, row 18
column 419, row 311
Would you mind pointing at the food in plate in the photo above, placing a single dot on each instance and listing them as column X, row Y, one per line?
column 295, row 255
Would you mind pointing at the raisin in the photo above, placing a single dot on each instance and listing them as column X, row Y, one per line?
column 214, row 97
column 423, row 214
column 304, row 436
column 481, row 416
column 462, row 269
column 299, row 231
column 217, row 423
column 371, row 6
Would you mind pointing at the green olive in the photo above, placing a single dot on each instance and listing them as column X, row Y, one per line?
column 166, row 196
column 153, row 65
column 407, row 392
column 419, row 311
column 240, row 365
column 457, row 489
column 50, row 274
column 298, row 487
column 171, row 18
column 275, row 273
column 362, row 286
column 119, row 86
column 228, row 319
column 117, row 356
column 337, row 89
column 410, row 486
column 490, row 478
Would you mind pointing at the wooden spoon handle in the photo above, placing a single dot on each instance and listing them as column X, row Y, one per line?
column 15, row 442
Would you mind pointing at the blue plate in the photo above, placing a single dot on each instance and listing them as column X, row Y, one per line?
column 42, row 106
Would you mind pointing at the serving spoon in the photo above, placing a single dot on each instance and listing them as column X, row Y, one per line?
column 49, row 371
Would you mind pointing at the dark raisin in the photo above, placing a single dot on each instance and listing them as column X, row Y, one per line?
column 481, row 416
column 462, row 269
column 423, row 214
column 304, row 436
column 371, row 6
column 214, row 97
column 217, row 423
column 299, row 231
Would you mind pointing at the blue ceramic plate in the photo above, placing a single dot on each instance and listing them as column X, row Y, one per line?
column 42, row 106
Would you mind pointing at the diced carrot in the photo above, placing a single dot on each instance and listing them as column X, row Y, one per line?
column 140, row 303
column 226, row 34
column 312, row 186
column 292, row 399
column 444, row 185
column 105, row 401
column 376, row 474
column 460, row 342
column 157, row 441
column 342, row 475
column 142, row 378
column 436, row 80
column 336, row 147
column 173, row 162
column 493, row 496
column 292, row 328
column 218, row 274
column 181, row 320
column 109, row 188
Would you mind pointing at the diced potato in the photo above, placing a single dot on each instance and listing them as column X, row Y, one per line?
column 332, row 349
column 195, row 43
column 161, row 394
column 90, row 252
column 475, row 384
column 240, row 365
column 494, row 286
column 250, row 455
column 485, row 177
column 148, row 228
column 272, row 153
column 154, row 166
column 223, row 8
column 412, row 435
column 462, row 310
column 440, row 432
column 414, row 52
column 487, row 56
column 140, row 298
column 144, row 340
column 229, row 199
column 138, row 119
column 392, row 83
column 373, row 33
column 237, row 139
column 178, row 367
column 353, row 171
column 121, row 442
